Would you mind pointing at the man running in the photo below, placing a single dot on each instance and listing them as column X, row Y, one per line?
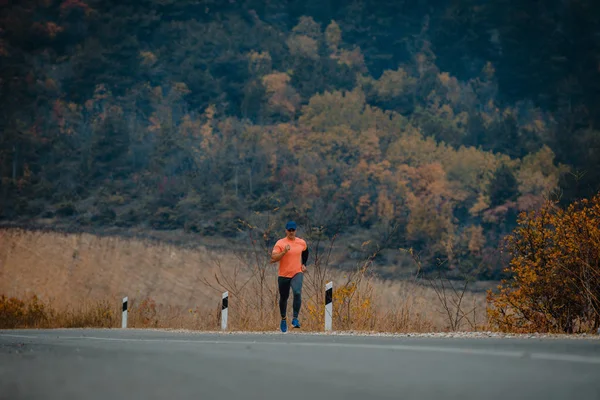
column 292, row 253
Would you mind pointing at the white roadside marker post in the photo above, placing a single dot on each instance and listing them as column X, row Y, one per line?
column 328, row 305
column 224, row 309
column 124, row 320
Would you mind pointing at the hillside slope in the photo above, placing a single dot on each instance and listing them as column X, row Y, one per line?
column 440, row 120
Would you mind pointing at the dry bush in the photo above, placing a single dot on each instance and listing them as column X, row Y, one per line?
column 33, row 313
column 99, row 314
column 16, row 313
column 147, row 313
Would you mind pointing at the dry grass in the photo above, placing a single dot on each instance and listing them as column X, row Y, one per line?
column 33, row 313
column 79, row 281
column 74, row 269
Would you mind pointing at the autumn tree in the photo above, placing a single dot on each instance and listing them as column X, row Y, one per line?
column 555, row 271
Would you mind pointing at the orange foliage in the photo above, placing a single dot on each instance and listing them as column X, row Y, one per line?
column 353, row 307
column 282, row 96
column 147, row 313
column 15, row 313
column 68, row 5
column 555, row 268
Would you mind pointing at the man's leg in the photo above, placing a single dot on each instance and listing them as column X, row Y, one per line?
column 296, row 284
column 284, row 294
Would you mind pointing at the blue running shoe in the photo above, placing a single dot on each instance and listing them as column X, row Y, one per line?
column 283, row 326
column 296, row 323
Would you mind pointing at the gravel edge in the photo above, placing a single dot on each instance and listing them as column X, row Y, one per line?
column 457, row 335
column 440, row 335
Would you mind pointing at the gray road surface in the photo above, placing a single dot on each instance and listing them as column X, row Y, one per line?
column 145, row 364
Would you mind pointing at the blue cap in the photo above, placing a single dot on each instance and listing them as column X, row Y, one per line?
column 290, row 225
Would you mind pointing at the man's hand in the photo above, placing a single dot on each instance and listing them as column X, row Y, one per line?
column 303, row 268
column 275, row 257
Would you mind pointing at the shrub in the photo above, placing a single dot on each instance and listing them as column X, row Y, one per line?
column 16, row 313
column 33, row 313
column 554, row 269
column 98, row 315
column 146, row 313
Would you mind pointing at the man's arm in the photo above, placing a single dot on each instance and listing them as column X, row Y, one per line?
column 305, row 256
column 275, row 257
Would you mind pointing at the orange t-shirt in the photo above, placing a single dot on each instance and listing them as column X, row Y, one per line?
column 291, row 263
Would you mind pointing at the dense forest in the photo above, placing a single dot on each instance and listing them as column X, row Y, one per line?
column 442, row 119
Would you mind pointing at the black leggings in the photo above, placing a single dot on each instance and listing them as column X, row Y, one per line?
column 284, row 293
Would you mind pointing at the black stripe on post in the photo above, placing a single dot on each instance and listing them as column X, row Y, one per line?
column 124, row 306
column 225, row 303
column 328, row 296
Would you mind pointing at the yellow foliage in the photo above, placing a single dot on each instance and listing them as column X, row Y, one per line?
column 181, row 87
column 307, row 189
column 482, row 203
column 385, row 207
column 352, row 305
column 430, row 202
column 444, row 77
column 353, row 58
column 414, row 149
column 189, row 128
column 49, row 28
column 335, row 110
column 303, row 46
column 154, row 125
column 538, row 175
column 51, row 84
column 282, row 96
column 276, row 82
column 333, row 35
column 148, row 57
column 393, row 84
column 476, row 238
column 307, row 26
column 364, row 208
column 259, row 63
column 555, row 271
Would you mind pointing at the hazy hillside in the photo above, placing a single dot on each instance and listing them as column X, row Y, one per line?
column 431, row 124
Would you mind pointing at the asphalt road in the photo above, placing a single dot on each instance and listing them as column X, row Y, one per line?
column 133, row 364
